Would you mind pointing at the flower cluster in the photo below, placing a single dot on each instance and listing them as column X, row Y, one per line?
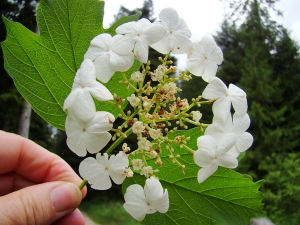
column 153, row 110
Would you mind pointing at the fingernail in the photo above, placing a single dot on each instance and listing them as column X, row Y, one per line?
column 65, row 197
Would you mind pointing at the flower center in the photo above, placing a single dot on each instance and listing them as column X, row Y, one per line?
column 84, row 129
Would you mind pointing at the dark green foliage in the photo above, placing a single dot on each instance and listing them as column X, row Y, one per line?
column 282, row 188
column 11, row 102
column 262, row 59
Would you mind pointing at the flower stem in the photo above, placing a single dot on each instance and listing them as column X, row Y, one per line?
column 82, row 184
column 118, row 141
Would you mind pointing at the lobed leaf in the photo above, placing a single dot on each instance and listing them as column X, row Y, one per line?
column 227, row 197
column 43, row 66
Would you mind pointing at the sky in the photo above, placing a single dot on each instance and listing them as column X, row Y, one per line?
column 207, row 16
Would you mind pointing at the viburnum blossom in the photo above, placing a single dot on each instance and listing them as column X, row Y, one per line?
column 155, row 133
column 91, row 135
column 137, row 164
column 138, row 127
column 237, row 125
column 99, row 171
column 85, row 85
column 144, row 144
column 137, row 76
column 110, row 54
column 177, row 38
column 216, row 89
column 133, row 100
column 205, row 58
column 212, row 153
column 147, row 171
column 139, row 201
column 142, row 34
column 196, row 116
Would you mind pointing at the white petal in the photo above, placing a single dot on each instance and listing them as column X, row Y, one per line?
column 102, row 121
column 180, row 44
column 227, row 161
column 102, row 41
column 69, row 101
column 87, row 72
column 99, row 91
column 155, row 33
column 117, row 165
column 169, row 17
column 210, row 71
column 135, row 202
column 215, row 89
column 104, row 69
column 241, row 123
column 215, row 130
column 121, row 62
column 244, row 141
column 97, row 141
column 90, row 168
column 221, row 108
column 162, row 204
column 207, row 143
column 238, row 99
column 196, row 67
column 182, row 29
column 153, row 189
column 206, row 172
column 121, row 45
column 163, row 46
column 212, row 50
column 226, row 143
column 101, row 182
column 77, row 144
column 127, row 28
column 203, row 158
column 93, row 52
column 84, row 106
column 141, row 51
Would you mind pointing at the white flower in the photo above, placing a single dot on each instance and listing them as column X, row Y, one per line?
column 137, row 76
column 152, row 154
column 211, row 154
column 170, row 88
column 221, row 107
column 197, row 115
column 236, row 125
column 137, row 164
column 159, row 73
column 110, row 54
column 139, row 201
column 97, row 171
column 91, row 135
column 177, row 38
column 138, row 127
column 85, row 85
column 144, row 144
column 205, row 58
column 154, row 134
column 133, row 100
column 147, row 171
column 141, row 33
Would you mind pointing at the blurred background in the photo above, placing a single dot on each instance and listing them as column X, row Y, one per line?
column 260, row 42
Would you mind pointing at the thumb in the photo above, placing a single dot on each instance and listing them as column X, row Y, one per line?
column 39, row 204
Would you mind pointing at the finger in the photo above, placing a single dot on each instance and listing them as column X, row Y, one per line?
column 33, row 162
column 13, row 182
column 74, row 218
column 39, row 204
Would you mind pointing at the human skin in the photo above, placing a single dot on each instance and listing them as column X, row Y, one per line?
column 36, row 186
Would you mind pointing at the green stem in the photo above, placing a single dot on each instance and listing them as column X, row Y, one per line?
column 82, row 184
column 118, row 141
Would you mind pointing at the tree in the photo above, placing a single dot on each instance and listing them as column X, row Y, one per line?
column 263, row 60
column 11, row 102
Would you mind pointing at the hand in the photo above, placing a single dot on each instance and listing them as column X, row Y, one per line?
column 36, row 186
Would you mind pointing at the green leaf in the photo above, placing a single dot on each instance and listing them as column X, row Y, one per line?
column 227, row 197
column 43, row 66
